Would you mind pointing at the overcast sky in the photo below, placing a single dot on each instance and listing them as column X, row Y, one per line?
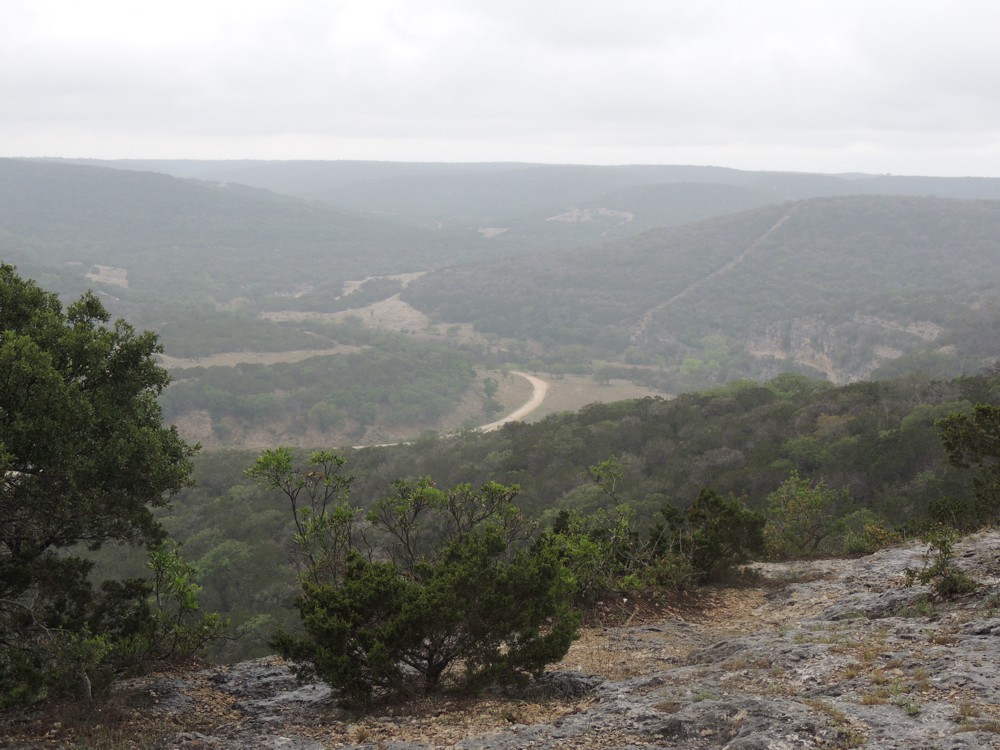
column 907, row 87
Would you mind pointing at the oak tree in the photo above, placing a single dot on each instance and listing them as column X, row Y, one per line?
column 84, row 459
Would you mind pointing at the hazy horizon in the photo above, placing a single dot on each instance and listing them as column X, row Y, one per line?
column 779, row 85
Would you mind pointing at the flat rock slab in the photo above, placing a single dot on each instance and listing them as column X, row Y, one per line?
column 818, row 654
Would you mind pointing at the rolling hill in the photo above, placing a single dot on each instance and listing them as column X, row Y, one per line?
column 176, row 237
column 675, row 277
column 837, row 286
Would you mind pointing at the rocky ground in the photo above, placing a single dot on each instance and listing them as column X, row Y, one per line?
column 820, row 654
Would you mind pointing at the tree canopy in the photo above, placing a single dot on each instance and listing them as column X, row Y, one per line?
column 973, row 440
column 84, row 458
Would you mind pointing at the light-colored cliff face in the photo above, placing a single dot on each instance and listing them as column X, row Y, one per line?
column 843, row 352
column 822, row 654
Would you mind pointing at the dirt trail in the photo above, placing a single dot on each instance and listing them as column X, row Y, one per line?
column 647, row 318
column 539, row 389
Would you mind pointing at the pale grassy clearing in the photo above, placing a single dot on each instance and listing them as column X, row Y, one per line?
column 391, row 314
column 403, row 278
column 229, row 359
column 109, row 275
column 573, row 392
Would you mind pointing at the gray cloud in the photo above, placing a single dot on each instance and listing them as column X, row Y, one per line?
column 887, row 86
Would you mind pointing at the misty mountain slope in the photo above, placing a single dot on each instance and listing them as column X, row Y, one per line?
column 942, row 187
column 482, row 210
column 301, row 178
column 624, row 213
column 573, row 296
column 186, row 238
column 427, row 193
column 176, row 236
column 861, row 280
column 496, row 197
column 378, row 186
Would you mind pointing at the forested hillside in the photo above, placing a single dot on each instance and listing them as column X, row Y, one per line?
column 392, row 383
column 877, row 442
column 677, row 278
column 838, row 287
column 190, row 241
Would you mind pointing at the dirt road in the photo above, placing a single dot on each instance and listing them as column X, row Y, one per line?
column 539, row 388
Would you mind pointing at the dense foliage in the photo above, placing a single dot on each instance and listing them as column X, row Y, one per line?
column 803, row 518
column 973, row 440
column 84, row 460
column 875, row 446
column 607, row 551
column 392, row 381
column 832, row 286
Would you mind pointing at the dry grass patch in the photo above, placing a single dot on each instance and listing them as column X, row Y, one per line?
column 881, row 677
column 847, row 735
column 595, row 653
column 573, row 392
column 852, row 670
column 877, row 697
column 941, row 638
column 669, row 707
column 865, row 647
column 827, row 709
column 968, row 710
column 446, row 720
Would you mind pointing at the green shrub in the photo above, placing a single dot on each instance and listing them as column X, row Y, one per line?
column 672, row 571
column 864, row 532
column 439, row 586
column 600, row 550
column 947, row 581
column 971, row 443
column 121, row 628
column 963, row 513
column 804, row 519
column 706, row 541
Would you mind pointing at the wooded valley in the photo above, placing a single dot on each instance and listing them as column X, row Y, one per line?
column 802, row 338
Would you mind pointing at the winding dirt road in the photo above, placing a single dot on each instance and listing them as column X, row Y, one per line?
column 539, row 389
